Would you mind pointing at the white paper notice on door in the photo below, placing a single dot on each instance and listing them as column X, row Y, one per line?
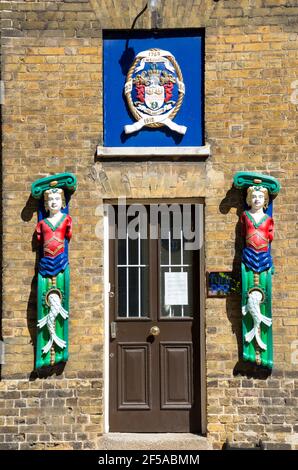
column 176, row 291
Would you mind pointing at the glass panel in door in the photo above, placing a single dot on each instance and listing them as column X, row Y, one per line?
column 132, row 275
column 176, row 276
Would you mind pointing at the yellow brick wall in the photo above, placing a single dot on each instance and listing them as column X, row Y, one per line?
column 52, row 122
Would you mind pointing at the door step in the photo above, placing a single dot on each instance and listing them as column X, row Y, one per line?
column 158, row 441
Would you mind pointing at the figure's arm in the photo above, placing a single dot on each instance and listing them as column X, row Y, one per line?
column 243, row 225
column 68, row 233
column 38, row 231
column 271, row 230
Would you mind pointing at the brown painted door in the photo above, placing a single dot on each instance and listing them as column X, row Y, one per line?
column 154, row 341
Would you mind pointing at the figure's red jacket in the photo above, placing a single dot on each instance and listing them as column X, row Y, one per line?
column 52, row 237
column 257, row 235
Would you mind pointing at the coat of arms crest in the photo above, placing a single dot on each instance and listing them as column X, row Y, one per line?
column 154, row 90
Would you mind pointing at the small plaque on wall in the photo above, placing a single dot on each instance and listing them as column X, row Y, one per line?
column 222, row 284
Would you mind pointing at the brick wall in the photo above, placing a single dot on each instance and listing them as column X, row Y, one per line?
column 61, row 413
column 52, row 122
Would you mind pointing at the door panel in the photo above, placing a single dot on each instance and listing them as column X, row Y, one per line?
column 154, row 380
column 133, row 376
column 176, row 375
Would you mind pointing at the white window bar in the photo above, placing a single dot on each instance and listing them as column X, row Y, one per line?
column 167, row 265
column 134, row 265
column 181, row 249
column 127, row 278
column 170, row 263
column 139, row 270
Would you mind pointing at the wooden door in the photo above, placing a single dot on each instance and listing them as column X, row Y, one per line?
column 154, row 356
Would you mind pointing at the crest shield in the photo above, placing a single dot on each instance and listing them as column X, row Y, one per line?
column 154, row 96
column 154, row 90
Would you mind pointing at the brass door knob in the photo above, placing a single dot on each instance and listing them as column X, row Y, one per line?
column 154, row 331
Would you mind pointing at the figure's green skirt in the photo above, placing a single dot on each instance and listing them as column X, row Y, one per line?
column 250, row 349
column 57, row 355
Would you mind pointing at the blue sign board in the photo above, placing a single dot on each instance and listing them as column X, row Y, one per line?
column 119, row 53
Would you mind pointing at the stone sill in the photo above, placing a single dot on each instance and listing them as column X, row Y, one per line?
column 144, row 152
column 154, row 441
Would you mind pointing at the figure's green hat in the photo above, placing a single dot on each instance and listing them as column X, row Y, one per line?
column 61, row 180
column 245, row 179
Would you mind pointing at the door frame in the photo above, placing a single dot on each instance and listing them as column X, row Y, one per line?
column 106, row 323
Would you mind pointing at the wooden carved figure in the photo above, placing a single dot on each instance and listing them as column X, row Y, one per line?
column 257, row 228
column 54, row 231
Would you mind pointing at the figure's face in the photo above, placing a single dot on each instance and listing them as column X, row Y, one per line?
column 54, row 203
column 257, row 200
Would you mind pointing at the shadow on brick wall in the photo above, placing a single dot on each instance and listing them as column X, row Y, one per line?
column 236, row 199
column 1, row 227
column 28, row 212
